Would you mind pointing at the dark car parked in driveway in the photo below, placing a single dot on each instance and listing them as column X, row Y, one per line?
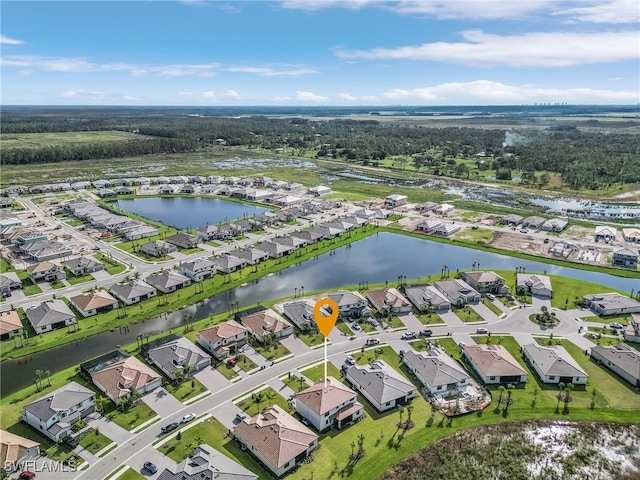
column 426, row 332
column 150, row 467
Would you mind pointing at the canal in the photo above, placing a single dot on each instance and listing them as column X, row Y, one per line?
column 375, row 259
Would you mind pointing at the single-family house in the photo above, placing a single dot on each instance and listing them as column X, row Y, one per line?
column 276, row 439
column 534, row 222
column 263, row 321
column 198, row 269
column 350, row 304
column 142, row 181
column 183, row 240
column 554, row 364
column 287, row 200
column 621, row 359
column 381, row 385
column 167, row 190
column 161, row 180
column 632, row 330
column 395, row 200
column 124, row 191
column 207, row 463
column 224, row 339
column 555, row 225
column 309, row 236
column 174, row 353
column 274, row 249
column 106, row 193
column 227, row 263
column 10, row 325
column 188, row 189
column 458, row 292
column 46, row 250
column 534, row 284
column 251, row 255
column 494, row 364
column 118, row 375
column 484, row 282
column 141, row 230
column 83, row 266
column 290, row 241
column 15, row 451
column 438, row 372
column 631, row 234
column 625, row 257
column 132, row 292
column 605, row 233
column 53, row 414
column 120, row 182
column 157, row 248
column 93, row 302
column 208, row 232
column 446, row 229
column 168, row 281
column 611, row 304
column 429, row 224
column 389, row 300
column 300, row 312
column 427, row 297
column 9, row 281
column 319, row 190
column 511, row 219
column 329, row 403
column 50, row 315
column 444, row 209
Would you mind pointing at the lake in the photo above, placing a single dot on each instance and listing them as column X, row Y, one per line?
column 187, row 213
column 375, row 259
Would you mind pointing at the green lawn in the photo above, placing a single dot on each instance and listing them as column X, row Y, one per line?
column 479, row 235
column 245, row 363
column 187, row 389
column 344, row 328
column 468, row 314
column 189, row 251
column 57, row 285
column 131, row 474
column 134, row 417
column 31, row 289
column 113, row 267
column 213, row 433
column 272, row 352
column 226, row 370
column 258, row 401
column 623, row 319
column 491, row 306
column 393, row 322
column 311, row 339
column 506, row 302
column 430, row 319
column 73, row 280
column 317, row 373
column 94, row 441
column 295, row 383
column 385, row 353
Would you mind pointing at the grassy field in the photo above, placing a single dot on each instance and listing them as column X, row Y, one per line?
column 131, row 474
column 479, row 235
column 94, row 441
column 271, row 352
column 265, row 398
column 134, row 417
column 187, row 389
column 43, row 140
column 468, row 315
column 491, row 306
column 429, row 318
column 295, row 383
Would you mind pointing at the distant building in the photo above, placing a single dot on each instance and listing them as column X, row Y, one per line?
column 555, row 225
column 611, row 304
column 625, row 257
column 395, row 200
column 621, row 359
column 494, row 364
column 533, row 284
column 381, row 385
column 554, row 364
column 534, row 222
column 605, row 233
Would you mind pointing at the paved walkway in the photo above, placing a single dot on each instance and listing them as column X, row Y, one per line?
column 162, row 402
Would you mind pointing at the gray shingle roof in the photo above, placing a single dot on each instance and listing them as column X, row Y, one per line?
column 381, row 381
column 48, row 313
column 130, row 289
column 59, row 401
column 436, row 367
column 554, row 361
column 178, row 353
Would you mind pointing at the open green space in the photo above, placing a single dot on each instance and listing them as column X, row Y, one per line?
column 134, row 417
column 245, row 363
column 316, row 372
column 94, row 440
column 272, row 351
column 295, row 382
column 52, row 139
column 468, row 315
column 622, row 319
column 131, row 474
column 262, row 399
column 311, row 339
column 31, row 289
column 429, row 318
column 226, row 371
column 112, row 266
column 191, row 387
column 75, row 280
column 344, row 328
column 480, row 235
column 491, row 306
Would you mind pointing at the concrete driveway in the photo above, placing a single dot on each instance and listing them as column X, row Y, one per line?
column 212, row 379
column 106, row 426
column 294, row 345
column 411, row 321
column 226, row 413
column 101, row 275
column 162, row 402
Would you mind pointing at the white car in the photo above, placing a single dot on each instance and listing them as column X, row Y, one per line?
column 350, row 360
column 491, row 296
column 241, row 416
column 616, row 325
column 373, row 322
column 408, row 335
column 188, row 417
column 356, row 327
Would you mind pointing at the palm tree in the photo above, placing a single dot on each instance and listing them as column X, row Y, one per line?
column 567, row 395
column 48, row 375
column 178, row 376
column 561, row 387
column 501, row 389
column 360, row 445
column 258, row 398
column 400, row 411
column 409, row 410
column 38, row 379
column 510, row 388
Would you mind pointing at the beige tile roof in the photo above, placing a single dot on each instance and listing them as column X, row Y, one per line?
column 484, row 277
column 494, row 360
column 9, row 321
column 13, row 447
column 91, row 300
column 321, row 400
column 387, row 298
column 265, row 322
column 276, row 435
column 226, row 329
column 41, row 267
column 120, row 378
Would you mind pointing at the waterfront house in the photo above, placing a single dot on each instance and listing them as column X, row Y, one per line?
column 49, row 316
column 554, row 364
column 224, row 339
column 381, row 385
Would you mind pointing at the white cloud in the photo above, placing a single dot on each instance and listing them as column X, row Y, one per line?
column 543, row 49
column 10, row 41
column 346, row 96
column 310, row 97
column 485, row 92
column 270, row 72
column 613, row 11
column 232, row 94
column 185, row 94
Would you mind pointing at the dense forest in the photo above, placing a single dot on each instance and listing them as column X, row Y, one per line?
column 585, row 159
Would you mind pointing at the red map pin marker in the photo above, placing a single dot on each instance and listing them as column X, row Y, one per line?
column 325, row 324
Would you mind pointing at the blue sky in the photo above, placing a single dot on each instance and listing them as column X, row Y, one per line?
column 320, row 52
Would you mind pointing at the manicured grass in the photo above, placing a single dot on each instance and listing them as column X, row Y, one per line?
column 468, row 314
column 245, row 363
column 623, row 319
column 272, row 352
column 131, row 474
column 344, row 328
column 393, row 321
column 213, row 244
column 311, row 339
column 430, row 319
column 385, row 353
column 227, row 371
column 113, row 267
column 490, row 305
column 5, row 266
column 295, row 383
column 42, row 140
column 75, row 222
column 506, row 302
column 213, row 433
column 94, row 441
column 73, row 280
column 57, row 285
column 187, row 389
column 189, row 251
column 258, row 401
column 317, row 372
column 479, row 235
column 134, row 417
column 31, row 289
